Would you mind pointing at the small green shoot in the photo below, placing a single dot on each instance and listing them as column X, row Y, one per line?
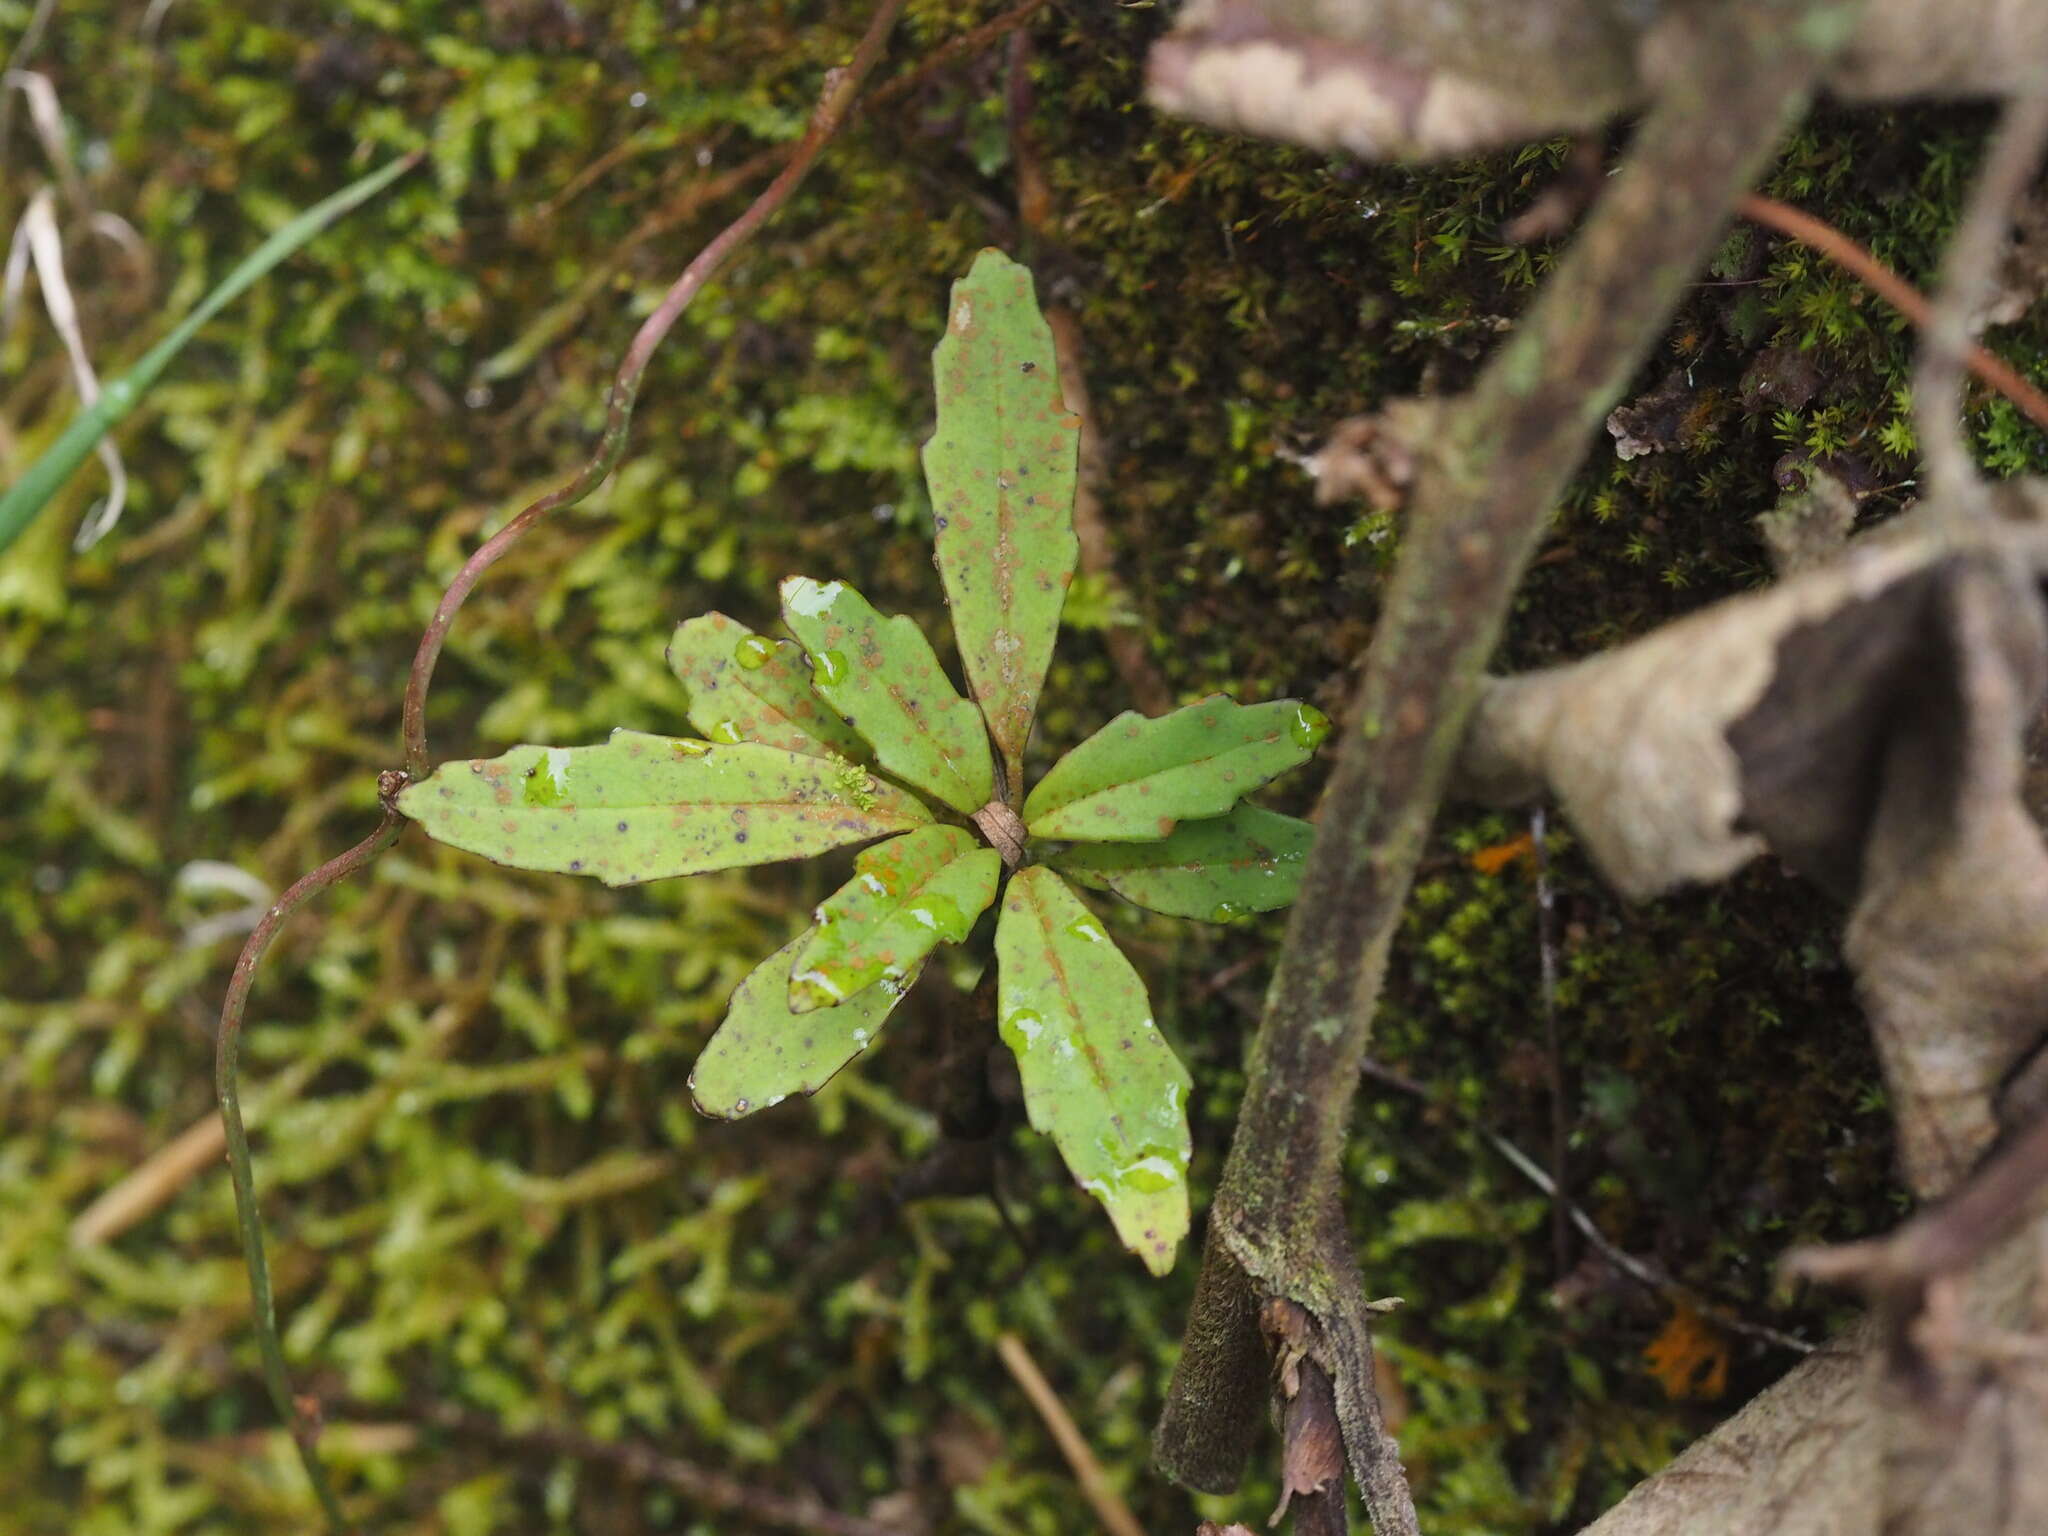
column 850, row 732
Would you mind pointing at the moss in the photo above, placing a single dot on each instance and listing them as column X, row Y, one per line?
column 485, row 1187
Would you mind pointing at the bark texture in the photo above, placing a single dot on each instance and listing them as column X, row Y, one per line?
column 1481, row 504
column 1424, row 79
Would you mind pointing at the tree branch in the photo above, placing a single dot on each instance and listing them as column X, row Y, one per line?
column 841, row 87
column 1480, row 510
column 1967, row 268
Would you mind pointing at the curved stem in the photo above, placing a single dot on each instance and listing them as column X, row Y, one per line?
column 227, row 1055
column 1890, row 287
column 1502, row 459
column 1966, row 270
column 831, row 114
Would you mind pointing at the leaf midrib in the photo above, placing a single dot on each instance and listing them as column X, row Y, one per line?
column 1157, row 773
column 1059, row 971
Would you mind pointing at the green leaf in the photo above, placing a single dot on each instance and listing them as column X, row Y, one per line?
column 745, row 687
column 1001, row 472
column 906, row 897
column 40, row 481
column 1099, row 1078
column 647, row 807
column 883, row 679
column 763, row 1053
column 1249, row 861
column 1135, row 778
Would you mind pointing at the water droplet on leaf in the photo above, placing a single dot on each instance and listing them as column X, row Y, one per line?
column 1020, row 1028
column 1149, row 1175
column 1229, row 912
column 547, row 781
column 1308, row 727
column 726, row 731
column 754, row 652
column 827, row 668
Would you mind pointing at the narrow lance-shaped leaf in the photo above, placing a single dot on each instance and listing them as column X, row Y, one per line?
column 40, row 481
column 746, row 687
column 1219, row 870
column 1098, row 1076
column 1135, row 778
column 1001, row 472
column 647, row 807
column 882, row 678
column 906, row 897
column 763, row 1053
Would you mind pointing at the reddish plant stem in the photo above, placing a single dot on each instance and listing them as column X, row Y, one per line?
column 826, row 121
column 227, row 1055
column 831, row 114
column 1893, row 289
column 1484, row 499
column 713, row 1493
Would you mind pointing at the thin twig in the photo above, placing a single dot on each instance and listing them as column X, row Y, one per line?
column 1893, row 289
column 840, row 89
column 1108, row 1504
column 561, row 317
column 714, row 1493
column 226, row 1061
column 1560, row 1134
column 1967, row 268
column 1650, row 1277
column 830, row 116
column 1944, row 1239
column 1124, row 640
column 1481, row 506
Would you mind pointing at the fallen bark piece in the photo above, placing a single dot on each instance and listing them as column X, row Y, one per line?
column 1866, row 722
column 1431, row 79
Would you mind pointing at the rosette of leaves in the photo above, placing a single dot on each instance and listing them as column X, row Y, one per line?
column 846, row 730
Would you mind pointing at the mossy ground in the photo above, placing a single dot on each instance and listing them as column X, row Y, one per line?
column 485, row 1186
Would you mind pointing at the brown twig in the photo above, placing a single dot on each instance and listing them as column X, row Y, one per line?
column 1967, row 267
column 686, row 203
column 1560, row 1131
column 227, row 1056
column 831, row 114
column 829, row 117
column 1890, row 287
column 713, row 1492
column 1125, row 642
column 1496, row 469
column 1108, row 1504
column 1896, row 1270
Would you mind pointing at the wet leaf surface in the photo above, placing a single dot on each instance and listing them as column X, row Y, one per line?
column 1098, row 1076
column 1001, row 468
column 763, row 1053
column 882, row 677
column 642, row 807
column 1219, row 870
column 907, row 897
column 1136, row 778
column 748, row 687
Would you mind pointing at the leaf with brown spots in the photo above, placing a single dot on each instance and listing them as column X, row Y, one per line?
column 1098, row 1076
column 883, row 679
column 907, row 897
column 1216, row 870
column 1135, row 778
column 1001, row 467
column 746, row 687
column 644, row 807
column 763, row 1053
